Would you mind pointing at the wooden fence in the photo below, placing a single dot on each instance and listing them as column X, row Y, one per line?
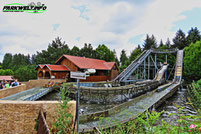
column 42, row 124
column 95, row 78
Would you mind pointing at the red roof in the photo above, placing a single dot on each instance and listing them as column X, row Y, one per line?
column 88, row 63
column 57, row 67
column 41, row 66
column 8, row 78
column 109, row 64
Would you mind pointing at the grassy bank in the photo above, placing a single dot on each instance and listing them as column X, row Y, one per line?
column 194, row 91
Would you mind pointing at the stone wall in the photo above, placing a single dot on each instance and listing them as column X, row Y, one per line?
column 18, row 117
column 113, row 94
column 13, row 90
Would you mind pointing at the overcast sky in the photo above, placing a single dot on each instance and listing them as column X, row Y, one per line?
column 119, row 24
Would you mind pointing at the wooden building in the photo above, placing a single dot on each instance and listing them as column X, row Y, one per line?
column 66, row 63
column 52, row 71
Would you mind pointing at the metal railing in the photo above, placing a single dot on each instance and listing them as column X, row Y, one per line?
column 38, row 95
column 138, row 62
column 128, row 71
column 179, row 63
column 130, row 66
column 171, row 50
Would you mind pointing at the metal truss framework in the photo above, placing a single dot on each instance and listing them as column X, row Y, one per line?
column 145, row 66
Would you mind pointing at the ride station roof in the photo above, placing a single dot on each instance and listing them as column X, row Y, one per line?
column 7, row 78
column 88, row 63
column 54, row 67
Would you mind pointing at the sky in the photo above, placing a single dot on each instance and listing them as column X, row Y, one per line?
column 119, row 24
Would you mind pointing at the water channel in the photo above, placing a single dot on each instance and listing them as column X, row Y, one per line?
column 169, row 106
column 179, row 98
column 86, row 107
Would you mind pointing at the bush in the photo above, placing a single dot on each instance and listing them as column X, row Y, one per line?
column 6, row 72
column 192, row 62
column 64, row 122
column 194, row 91
column 25, row 73
column 199, row 82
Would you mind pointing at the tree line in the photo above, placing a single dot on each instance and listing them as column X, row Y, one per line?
column 23, row 66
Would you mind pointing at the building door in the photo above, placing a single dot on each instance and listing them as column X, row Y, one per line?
column 47, row 75
column 40, row 74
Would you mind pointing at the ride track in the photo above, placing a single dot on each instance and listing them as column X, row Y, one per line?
column 131, row 109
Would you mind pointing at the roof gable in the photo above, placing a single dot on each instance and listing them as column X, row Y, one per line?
column 57, row 68
column 41, row 66
column 109, row 65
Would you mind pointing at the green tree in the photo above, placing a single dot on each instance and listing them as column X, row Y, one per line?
column 8, row 72
column 168, row 44
column 192, row 62
column 116, row 59
column 27, row 59
column 7, row 61
column 180, row 40
column 104, row 53
column 161, row 43
column 25, row 73
column 75, row 51
column 55, row 50
column 150, row 42
column 2, row 72
column 134, row 54
column 33, row 59
column 193, row 35
column 123, row 58
column 123, row 61
column 87, row 51
column 18, row 60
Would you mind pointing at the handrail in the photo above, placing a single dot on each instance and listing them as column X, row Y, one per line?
column 143, row 56
column 133, row 64
column 179, row 59
column 123, row 75
column 125, row 70
column 171, row 50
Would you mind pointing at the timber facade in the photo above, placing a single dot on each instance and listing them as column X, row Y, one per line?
column 65, row 64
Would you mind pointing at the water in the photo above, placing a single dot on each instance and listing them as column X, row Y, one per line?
column 25, row 94
column 92, row 108
column 179, row 98
column 138, row 106
column 169, row 106
column 85, row 106
column 54, row 95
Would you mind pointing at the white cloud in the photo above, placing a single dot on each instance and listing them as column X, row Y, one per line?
column 112, row 23
column 160, row 16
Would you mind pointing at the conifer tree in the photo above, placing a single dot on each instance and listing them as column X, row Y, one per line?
column 168, row 44
column 179, row 40
column 193, row 36
column 150, row 42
